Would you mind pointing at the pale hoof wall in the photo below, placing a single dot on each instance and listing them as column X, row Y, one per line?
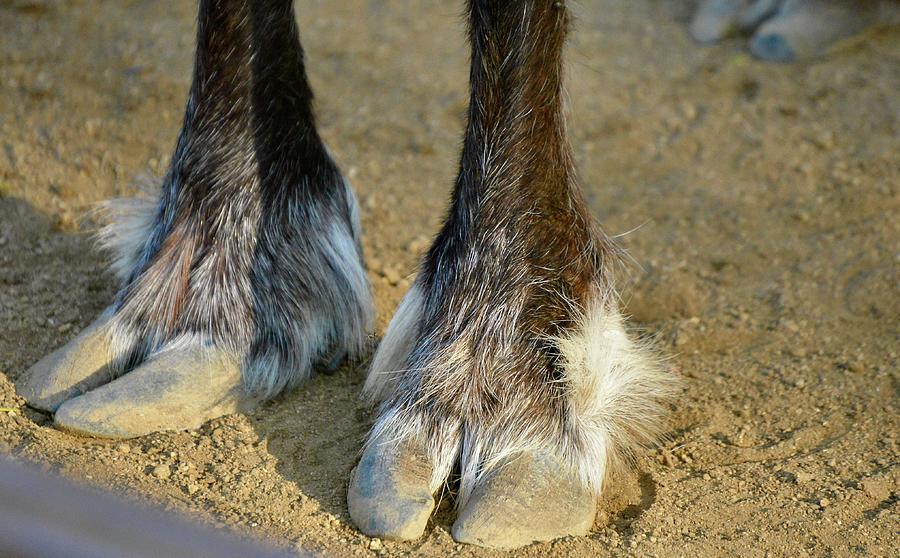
column 529, row 499
column 75, row 368
column 177, row 389
column 756, row 13
column 390, row 496
column 715, row 20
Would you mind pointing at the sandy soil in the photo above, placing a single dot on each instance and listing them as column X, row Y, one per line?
column 761, row 202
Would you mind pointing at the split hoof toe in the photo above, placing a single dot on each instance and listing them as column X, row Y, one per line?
column 528, row 499
column 75, row 368
column 177, row 389
column 390, row 496
column 715, row 20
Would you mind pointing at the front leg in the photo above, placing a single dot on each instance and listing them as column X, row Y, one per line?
column 508, row 360
column 243, row 273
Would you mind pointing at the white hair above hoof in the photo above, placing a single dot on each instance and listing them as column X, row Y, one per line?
column 614, row 389
column 128, row 223
column 617, row 390
column 392, row 354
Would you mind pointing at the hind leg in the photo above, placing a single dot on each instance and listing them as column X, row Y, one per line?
column 243, row 272
column 507, row 360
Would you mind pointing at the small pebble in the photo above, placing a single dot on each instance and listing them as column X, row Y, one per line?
column 856, row 366
column 824, row 140
column 803, row 477
column 392, row 274
column 420, row 244
column 876, row 488
column 668, row 460
column 375, row 544
column 123, row 448
column 824, row 503
column 161, row 472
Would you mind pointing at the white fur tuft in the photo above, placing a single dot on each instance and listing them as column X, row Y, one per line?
column 128, row 225
column 390, row 359
column 616, row 389
column 617, row 393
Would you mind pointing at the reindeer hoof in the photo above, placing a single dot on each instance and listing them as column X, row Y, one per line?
column 390, row 493
column 806, row 29
column 177, row 389
column 73, row 369
column 530, row 498
column 715, row 20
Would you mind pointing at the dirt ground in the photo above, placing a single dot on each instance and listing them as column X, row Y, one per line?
column 760, row 202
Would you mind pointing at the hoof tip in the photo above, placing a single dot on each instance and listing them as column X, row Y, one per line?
column 176, row 390
column 529, row 499
column 389, row 494
column 76, row 367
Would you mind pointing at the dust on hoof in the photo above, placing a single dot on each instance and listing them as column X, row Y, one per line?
column 716, row 19
column 75, row 368
column 390, row 494
column 177, row 389
column 806, row 29
column 530, row 498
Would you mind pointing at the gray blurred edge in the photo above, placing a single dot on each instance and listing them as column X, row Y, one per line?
column 48, row 517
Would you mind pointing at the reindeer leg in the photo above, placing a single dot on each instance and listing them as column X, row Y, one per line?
column 508, row 360
column 244, row 273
